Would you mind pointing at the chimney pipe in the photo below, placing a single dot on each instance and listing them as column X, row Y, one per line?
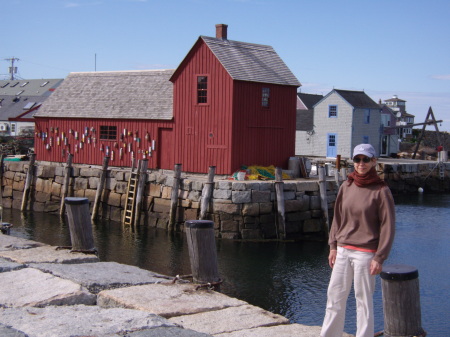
column 221, row 31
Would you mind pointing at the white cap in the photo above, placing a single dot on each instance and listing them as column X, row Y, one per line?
column 364, row 149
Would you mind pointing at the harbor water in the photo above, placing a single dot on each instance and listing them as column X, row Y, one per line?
column 286, row 278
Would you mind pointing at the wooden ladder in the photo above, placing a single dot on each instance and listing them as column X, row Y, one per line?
column 130, row 201
column 441, row 170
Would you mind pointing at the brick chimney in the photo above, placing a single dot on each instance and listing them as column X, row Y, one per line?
column 221, row 31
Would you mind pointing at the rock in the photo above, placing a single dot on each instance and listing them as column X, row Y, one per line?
column 286, row 330
column 102, row 275
column 8, row 242
column 81, row 320
column 38, row 289
column 229, row 319
column 46, row 254
column 166, row 300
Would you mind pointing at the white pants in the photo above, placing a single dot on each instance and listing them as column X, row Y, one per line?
column 350, row 265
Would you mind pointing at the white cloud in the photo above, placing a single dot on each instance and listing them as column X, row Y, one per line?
column 441, row 77
column 72, row 4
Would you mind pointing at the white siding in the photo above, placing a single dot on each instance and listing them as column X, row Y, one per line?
column 340, row 125
column 304, row 143
column 361, row 129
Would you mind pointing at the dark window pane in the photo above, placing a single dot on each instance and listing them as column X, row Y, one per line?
column 265, row 97
column 202, row 89
column 108, row 132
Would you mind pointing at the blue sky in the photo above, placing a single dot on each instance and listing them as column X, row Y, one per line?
column 384, row 47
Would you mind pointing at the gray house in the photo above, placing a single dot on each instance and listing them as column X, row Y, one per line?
column 342, row 119
column 19, row 100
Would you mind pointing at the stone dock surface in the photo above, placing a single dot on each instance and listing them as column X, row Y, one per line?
column 47, row 291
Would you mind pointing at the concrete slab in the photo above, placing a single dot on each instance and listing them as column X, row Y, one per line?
column 167, row 332
column 6, row 331
column 38, row 289
column 6, row 265
column 102, row 275
column 79, row 320
column 47, row 254
column 229, row 319
column 287, row 330
column 8, row 242
column 166, row 300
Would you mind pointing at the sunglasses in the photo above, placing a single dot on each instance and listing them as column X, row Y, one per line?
column 364, row 159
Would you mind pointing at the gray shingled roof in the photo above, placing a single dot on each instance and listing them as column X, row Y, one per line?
column 41, row 87
column 251, row 62
column 357, row 99
column 309, row 100
column 145, row 94
column 304, row 120
column 13, row 106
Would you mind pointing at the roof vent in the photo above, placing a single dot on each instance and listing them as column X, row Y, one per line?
column 221, row 31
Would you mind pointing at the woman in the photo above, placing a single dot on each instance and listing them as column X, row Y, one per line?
column 360, row 240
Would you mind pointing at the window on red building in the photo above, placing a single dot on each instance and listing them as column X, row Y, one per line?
column 202, row 89
column 265, row 97
column 108, row 132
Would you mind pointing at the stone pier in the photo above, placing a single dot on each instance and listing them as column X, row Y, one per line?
column 240, row 209
column 53, row 292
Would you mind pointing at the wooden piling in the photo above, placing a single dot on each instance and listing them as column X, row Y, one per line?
column 29, row 178
column 303, row 171
column 338, row 162
column 401, row 301
column 323, row 197
column 142, row 178
column 202, row 251
column 80, row 224
column 343, row 173
column 174, row 197
column 207, row 192
column 2, row 157
column 337, row 168
column 279, row 191
column 66, row 183
column 101, row 184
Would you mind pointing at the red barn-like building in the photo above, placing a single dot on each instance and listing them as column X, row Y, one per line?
column 228, row 104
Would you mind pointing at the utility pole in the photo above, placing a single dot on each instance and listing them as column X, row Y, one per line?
column 12, row 69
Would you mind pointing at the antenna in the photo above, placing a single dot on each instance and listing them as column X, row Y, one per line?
column 12, row 69
column 95, row 62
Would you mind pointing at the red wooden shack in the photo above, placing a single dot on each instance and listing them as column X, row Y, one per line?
column 228, row 104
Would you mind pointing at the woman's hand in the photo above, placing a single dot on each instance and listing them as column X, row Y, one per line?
column 375, row 267
column 332, row 258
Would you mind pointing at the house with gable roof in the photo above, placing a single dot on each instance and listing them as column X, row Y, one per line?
column 342, row 120
column 227, row 104
column 305, row 118
column 19, row 100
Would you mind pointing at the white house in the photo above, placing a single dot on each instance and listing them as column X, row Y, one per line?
column 342, row 120
column 404, row 119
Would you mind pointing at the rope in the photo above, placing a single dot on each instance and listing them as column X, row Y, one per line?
column 210, row 285
column 182, row 277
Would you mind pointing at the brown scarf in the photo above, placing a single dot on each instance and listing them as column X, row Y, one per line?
column 362, row 180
